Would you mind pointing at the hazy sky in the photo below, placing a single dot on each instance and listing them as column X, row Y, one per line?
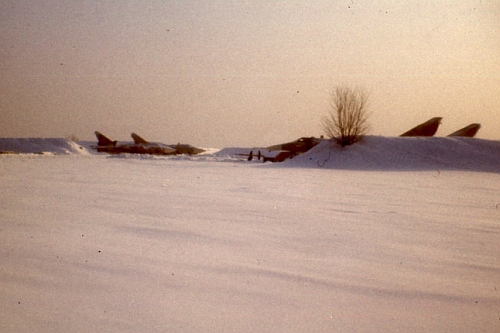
column 219, row 73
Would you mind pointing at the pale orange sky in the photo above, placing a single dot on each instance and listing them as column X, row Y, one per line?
column 243, row 73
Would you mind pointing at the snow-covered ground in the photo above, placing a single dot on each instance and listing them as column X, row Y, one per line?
column 377, row 237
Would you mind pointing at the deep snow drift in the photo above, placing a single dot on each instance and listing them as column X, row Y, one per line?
column 416, row 153
column 210, row 243
column 57, row 146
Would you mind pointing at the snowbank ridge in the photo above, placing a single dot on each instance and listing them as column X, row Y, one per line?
column 396, row 153
column 58, row 146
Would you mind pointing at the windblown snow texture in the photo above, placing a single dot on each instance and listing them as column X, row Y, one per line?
column 212, row 243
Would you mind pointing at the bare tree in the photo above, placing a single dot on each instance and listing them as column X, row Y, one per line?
column 347, row 119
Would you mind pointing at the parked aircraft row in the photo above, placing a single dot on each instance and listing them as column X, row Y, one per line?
column 141, row 146
column 275, row 153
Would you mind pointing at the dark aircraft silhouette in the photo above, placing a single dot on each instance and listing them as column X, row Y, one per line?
column 468, row 131
column 178, row 148
column 282, row 151
column 272, row 156
column 296, row 147
column 104, row 141
column 105, row 145
column 429, row 128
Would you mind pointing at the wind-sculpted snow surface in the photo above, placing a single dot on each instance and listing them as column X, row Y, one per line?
column 96, row 244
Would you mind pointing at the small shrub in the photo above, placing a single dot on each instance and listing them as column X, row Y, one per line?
column 347, row 119
column 72, row 137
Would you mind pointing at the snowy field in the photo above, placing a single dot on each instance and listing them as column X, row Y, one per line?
column 390, row 235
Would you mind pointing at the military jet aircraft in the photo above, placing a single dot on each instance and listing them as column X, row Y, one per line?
column 106, row 145
column 283, row 151
column 178, row 148
column 428, row 128
column 468, row 131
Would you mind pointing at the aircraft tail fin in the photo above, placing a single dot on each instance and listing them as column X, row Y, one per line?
column 138, row 140
column 429, row 128
column 103, row 140
column 468, row 131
